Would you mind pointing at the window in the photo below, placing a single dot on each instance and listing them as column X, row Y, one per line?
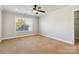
column 21, row 25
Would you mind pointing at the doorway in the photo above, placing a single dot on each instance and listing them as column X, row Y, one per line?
column 76, row 26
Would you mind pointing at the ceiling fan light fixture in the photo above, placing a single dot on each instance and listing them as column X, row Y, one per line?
column 35, row 11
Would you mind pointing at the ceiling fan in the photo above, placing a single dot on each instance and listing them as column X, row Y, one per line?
column 37, row 9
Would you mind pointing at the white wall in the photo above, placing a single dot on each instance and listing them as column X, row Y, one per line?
column 8, row 24
column 0, row 23
column 59, row 24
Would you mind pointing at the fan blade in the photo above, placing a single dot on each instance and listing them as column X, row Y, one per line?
column 41, row 11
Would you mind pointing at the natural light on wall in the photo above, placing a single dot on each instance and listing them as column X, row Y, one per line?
column 23, row 24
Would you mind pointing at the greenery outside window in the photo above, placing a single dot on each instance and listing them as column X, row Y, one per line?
column 21, row 25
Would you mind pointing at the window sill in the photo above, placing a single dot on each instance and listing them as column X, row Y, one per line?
column 22, row 31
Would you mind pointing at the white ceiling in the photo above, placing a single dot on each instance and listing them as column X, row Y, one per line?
column 27, row 9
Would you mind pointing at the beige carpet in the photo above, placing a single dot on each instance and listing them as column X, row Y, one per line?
column 36, row 44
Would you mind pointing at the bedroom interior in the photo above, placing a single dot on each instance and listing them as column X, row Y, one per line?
column 39, row 29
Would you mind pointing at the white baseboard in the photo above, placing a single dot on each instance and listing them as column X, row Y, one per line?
column 38, row 34
column 57, row 39
column 17, row 36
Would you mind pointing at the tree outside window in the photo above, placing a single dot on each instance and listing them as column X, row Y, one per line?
column 20, row 25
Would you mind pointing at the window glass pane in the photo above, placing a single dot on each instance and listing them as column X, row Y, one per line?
column 21, row 25
column 29, row 22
